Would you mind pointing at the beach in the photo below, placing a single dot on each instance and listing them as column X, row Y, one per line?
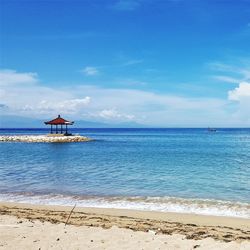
column 43, row 227
column 125, row 124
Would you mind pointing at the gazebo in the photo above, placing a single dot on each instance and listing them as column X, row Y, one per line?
column 59, row 121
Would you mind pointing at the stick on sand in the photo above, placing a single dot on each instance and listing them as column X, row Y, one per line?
column 70, row 215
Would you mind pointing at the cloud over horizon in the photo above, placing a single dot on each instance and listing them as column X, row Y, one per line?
column 8, row 77
column 119, row 105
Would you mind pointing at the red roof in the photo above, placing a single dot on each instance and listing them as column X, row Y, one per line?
column 59, row 121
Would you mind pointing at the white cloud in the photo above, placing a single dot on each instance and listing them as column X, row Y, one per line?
column 113, row 114
column 240, row 73
column 241, row 97
column 8, row 77
column 241, row 92
column 226, row 79
column 49, row 106
column 24, row 95
column 153, row 109
column 123, row 105
column 66, row 106
column 90, row 71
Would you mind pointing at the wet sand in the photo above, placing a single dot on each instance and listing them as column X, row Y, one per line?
column 33, row 226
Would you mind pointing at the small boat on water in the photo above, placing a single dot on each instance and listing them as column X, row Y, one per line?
column 211, row 129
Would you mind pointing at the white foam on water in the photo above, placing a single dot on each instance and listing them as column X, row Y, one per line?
column 162, row 204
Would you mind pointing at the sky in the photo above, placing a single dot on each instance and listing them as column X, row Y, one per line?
column 171, row 63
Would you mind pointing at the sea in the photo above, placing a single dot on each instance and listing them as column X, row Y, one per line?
column 168, row 170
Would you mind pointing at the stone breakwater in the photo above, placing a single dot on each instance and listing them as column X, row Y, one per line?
column 43, row 138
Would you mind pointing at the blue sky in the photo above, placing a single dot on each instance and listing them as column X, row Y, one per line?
column 160, row 63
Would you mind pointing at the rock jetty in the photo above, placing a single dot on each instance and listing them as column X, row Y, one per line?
column 43, row 138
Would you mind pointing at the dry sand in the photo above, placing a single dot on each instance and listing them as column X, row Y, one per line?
column 24, row 226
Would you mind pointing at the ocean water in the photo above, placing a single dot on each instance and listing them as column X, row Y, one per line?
column 176, row 170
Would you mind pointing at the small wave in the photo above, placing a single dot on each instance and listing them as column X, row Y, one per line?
column 239, row 160
column 161, row 204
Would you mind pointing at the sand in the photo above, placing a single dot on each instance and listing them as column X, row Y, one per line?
column 24, row 226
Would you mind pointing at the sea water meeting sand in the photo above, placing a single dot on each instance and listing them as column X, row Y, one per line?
column 183, row 171
column 171, row 170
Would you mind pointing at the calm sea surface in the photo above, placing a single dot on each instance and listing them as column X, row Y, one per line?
column 178, row 170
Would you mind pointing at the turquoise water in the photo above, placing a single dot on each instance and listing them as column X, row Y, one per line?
column 178, row 170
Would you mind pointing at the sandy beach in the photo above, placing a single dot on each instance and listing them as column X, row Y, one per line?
column 25, row 226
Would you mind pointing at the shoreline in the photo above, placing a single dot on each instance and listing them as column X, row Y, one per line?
column 155, row 204
column 192, row 226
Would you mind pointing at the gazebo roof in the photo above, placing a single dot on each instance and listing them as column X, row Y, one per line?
column 59, row 121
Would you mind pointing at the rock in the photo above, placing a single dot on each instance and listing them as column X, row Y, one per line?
column 44, row 138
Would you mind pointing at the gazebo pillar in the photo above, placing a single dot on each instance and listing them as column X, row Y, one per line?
column 51, row 129
column 56, row 129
